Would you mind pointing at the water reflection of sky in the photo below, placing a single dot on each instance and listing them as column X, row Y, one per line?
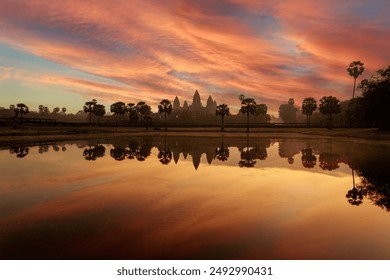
column 59, row 205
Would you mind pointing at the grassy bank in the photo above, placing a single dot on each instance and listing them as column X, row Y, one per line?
column 25, row 134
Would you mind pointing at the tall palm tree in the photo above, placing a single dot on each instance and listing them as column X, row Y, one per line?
column 165, row 107
column 248, row 107
column 355, row 69
column 222, row 110
column 329, row 105
column 89, row 107
column 309, row 105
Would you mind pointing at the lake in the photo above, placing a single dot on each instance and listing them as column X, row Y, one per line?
column 195, row 198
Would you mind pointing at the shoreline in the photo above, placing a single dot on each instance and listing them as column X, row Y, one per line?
column 40, row 134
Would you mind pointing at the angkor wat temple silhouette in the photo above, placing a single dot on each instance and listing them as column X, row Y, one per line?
column 195, row 108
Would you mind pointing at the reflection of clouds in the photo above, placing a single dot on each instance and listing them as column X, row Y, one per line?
column 109, row 209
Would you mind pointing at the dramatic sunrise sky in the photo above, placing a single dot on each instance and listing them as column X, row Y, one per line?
column 66, row 52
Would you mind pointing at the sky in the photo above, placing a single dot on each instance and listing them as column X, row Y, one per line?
column 64, row 53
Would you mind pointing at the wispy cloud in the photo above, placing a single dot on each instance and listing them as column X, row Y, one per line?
column 270, row 50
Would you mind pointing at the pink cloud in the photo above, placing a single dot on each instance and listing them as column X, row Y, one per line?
column 270, row 50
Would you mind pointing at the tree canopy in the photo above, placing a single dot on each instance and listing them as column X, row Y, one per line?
column 287, row 112
column 329, row 105
column 376, row 97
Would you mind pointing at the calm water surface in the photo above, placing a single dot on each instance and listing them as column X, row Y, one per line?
column 195, row 198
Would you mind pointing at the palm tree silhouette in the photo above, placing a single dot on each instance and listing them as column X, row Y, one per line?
column 165, row 107
column 355, row 69
column 89, row 108
column 309, row 105
column 222, row 110
column 248, row 107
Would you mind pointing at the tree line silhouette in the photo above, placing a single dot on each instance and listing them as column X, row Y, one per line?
column 367, row 110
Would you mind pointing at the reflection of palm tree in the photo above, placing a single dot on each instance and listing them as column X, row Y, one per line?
column 143, row 152
column 329, row 161
column 43, row 148
column 132, row 150
column 165, row 155
column 20, row 151
column 137, row 150
column 118, row 153
column 222, row 153
column 92, row 153
column 309, row 160
column 165, row 107
column 355, row 195
column 248, row 156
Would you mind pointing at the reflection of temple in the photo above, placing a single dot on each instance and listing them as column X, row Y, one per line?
column 369, row 163
column 196, row 108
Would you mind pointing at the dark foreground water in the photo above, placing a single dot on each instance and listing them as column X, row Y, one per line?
column 195, row 198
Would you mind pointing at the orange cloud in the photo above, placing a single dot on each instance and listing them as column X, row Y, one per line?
column 270, row 50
